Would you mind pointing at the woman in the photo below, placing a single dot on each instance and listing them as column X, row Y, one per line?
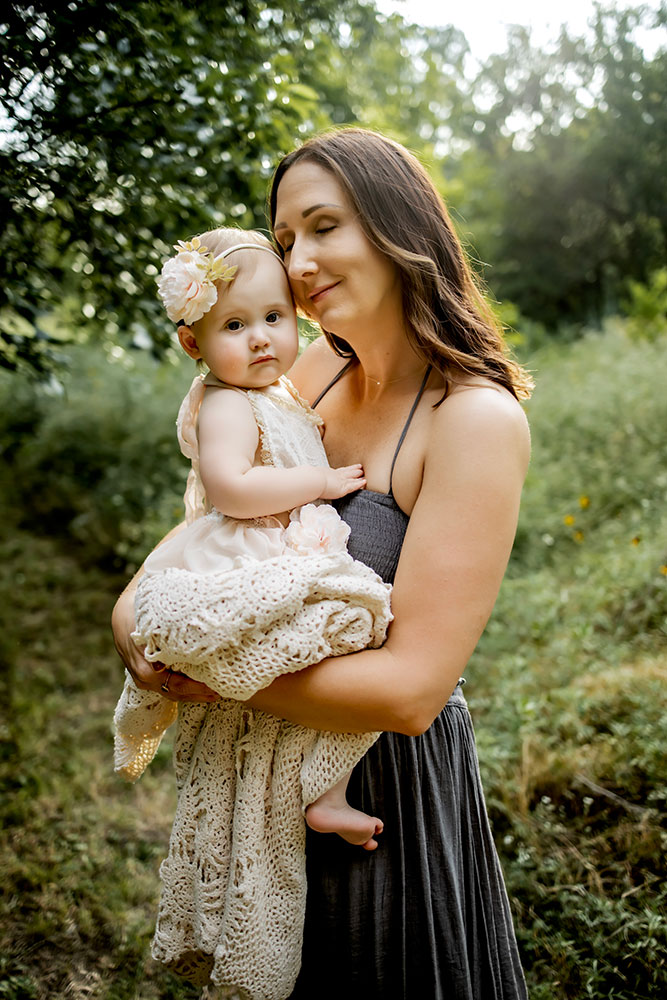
column 413, row 381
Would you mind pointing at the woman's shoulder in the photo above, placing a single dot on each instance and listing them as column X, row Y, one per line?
column 485, row 396
column 483, row 415
column 314, row 368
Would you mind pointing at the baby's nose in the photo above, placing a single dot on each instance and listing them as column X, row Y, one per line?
column 260, row 337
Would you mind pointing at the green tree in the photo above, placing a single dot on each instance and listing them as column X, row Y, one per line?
column 406, row 80
column 568, row 198
column 127, row 126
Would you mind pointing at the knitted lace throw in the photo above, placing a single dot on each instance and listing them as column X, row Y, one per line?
column 233, row 883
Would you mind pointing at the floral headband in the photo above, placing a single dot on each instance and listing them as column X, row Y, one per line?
column 187, row 281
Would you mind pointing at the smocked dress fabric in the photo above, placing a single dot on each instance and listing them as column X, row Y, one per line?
column 426, row 915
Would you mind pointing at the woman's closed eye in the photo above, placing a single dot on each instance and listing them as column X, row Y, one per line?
column 287, row 247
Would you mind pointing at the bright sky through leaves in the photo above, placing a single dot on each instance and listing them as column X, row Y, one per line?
column 484, row 22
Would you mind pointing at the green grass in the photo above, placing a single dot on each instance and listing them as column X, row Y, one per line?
column 567, row 685
column 567, row 689
column 80, row 850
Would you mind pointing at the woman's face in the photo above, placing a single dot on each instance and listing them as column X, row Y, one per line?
column 338, row 277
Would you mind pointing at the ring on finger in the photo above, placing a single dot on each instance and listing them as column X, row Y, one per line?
column 165, row 684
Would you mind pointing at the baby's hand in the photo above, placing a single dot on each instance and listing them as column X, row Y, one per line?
column 340, row 482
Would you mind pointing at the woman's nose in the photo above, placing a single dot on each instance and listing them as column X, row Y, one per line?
column 301, row 260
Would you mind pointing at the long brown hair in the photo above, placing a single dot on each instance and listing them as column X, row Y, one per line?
column 402, row 214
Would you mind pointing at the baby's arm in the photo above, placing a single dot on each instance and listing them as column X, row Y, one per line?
column 228, row 440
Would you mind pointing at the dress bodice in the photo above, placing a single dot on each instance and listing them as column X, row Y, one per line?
column 377, row 528
column 377, row 523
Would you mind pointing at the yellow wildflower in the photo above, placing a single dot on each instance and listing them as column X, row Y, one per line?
column 636, row 540
column 568, row 519
column 584, row 502
column 663, row 570
column 578, row 536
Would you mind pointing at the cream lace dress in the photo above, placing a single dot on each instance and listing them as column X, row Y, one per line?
column 235, row 604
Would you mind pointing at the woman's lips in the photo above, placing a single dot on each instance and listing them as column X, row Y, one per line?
column 319, row 293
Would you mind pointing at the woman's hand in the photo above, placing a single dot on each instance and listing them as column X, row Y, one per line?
column 147, row 676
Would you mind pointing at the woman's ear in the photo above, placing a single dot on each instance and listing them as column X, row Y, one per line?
column 188, row 341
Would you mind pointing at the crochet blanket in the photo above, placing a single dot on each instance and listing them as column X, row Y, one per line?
column 234, row 883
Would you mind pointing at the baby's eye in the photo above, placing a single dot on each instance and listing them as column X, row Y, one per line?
column 272, row 317
column 234, row 325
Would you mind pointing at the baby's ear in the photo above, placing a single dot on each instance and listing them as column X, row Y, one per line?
column 188, row 341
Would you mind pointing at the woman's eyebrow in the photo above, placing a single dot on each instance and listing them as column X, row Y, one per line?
column 306, row 212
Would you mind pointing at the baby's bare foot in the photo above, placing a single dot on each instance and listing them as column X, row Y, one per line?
column 351, row 824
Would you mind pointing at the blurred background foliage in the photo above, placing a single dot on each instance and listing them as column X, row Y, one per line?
column 128, row 126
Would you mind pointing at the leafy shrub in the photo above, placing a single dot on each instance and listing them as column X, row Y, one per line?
column 646, row 307
column 599, row 448
column 525, row 336
column 95, row 456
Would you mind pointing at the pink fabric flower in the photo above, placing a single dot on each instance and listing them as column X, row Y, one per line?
column 186, row 288
column 315, row 530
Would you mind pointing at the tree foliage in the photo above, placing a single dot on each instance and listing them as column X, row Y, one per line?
column 569, row 199
column 128, row 126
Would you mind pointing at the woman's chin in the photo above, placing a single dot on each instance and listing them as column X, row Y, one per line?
column 336, row 321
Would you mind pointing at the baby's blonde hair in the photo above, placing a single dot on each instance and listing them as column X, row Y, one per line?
column 219, row 240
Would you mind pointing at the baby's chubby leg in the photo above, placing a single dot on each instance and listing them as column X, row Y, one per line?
column 332, row 814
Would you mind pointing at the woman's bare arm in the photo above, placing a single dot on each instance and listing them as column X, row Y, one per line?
column 451, row 566
column 181, row 688
column 452, row 563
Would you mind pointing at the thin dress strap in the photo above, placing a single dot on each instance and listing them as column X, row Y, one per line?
column 333, row 381
column 406, row 427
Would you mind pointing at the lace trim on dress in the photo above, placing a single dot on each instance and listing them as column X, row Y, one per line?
column 264, row 448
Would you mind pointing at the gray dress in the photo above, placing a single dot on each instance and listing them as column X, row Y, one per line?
column 426, row 915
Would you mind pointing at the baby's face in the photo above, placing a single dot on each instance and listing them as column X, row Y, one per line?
column 249, row 338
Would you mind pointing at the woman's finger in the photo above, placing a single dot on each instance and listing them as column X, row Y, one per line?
column 179, row 687
column 166, row 682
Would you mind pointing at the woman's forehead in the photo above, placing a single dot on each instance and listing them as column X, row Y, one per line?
column 304, row 188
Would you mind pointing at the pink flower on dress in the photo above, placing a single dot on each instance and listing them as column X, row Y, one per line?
column 316, row 529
